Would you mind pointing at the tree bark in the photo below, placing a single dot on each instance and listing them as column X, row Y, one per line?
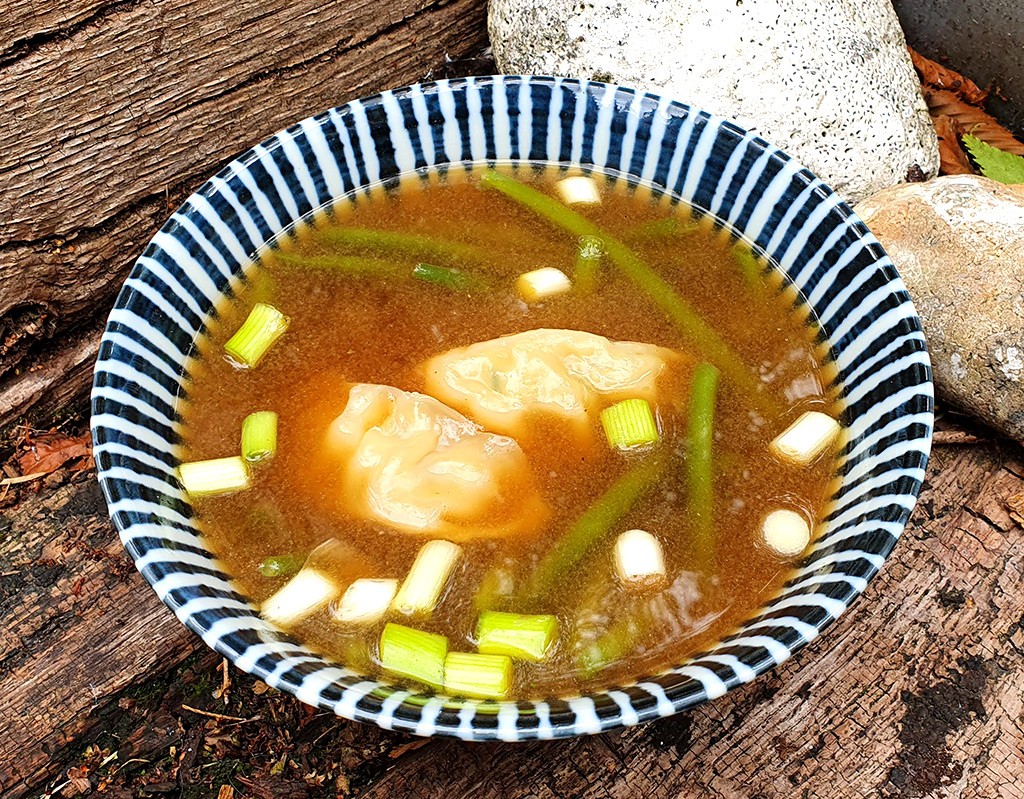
column 115, row 111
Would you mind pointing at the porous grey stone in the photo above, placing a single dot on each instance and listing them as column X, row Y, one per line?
column 958, row 243
column 829, row 81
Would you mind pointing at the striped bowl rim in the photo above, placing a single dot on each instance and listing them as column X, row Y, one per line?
column 871, row 334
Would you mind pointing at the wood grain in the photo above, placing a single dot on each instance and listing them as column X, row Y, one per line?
column 79, row 624
column 108, row 126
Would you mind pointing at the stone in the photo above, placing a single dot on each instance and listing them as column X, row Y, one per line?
column 958, row 243
column 829, row 82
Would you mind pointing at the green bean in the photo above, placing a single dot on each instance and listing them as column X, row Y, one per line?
column 610, row 646
column 661, row 229
column 449, row 278
column 411, row 245
column 749, row 266
column 588, row 263
column 354, row 265
column 281, row 565
column 678, row 311
column 703, row 393
column 595, row 523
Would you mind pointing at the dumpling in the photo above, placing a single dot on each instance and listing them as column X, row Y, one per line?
column 414, row 463
column 569, row 373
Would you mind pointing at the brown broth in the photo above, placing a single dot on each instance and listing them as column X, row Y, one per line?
column 347, row 329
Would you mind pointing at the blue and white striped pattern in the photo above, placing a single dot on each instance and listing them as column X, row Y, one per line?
column 869, row 325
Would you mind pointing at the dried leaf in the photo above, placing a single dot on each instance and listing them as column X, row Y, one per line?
column 408, row 746
column 952, row 158
column 226, row 792
column 50, row 451
column 78, row 782
column 971, row 120
column 940, row 77
column 994, row 163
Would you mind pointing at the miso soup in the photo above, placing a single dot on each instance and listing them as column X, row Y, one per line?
column 509, row 434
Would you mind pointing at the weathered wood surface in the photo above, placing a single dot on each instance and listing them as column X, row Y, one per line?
column 78, row 625
column 919, row 692
column 114, row 110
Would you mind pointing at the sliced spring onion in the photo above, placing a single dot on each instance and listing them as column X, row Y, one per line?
column 703, row 395
column 542, row 284
column 630, row 423
column 217, row 476
column 610, row 646
column 639, row 561
column 595, row 523
column 515, row 634
column 802, row 442
column 259, row 436
column 678, row 311
column 578, row 190
column 305, row 593
column 280, row 565
column 411, row 245
column 496, row 586
column 478, row 676
column 427, row 578
column 448, row 277
column 352, row 265
column 588, row 263
column 413, row 654
column 786, row 531
column 365, row 601
column 261, row 329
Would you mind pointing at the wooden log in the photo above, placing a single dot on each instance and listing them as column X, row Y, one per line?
column 918, row 692
column 78, row 625
column 114, row 112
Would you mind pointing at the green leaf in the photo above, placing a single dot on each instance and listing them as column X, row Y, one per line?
column 995, row 163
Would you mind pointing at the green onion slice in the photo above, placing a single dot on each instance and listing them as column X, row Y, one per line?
column 479, row 676
column 516, row 634
column 413, row 654
column 259, row 436
column 261, row 329
column 630, row 423
column 217, row 476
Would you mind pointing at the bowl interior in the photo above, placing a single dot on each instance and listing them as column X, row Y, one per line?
column 871, row 335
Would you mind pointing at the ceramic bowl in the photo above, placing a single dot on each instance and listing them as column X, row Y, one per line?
column 870, row 329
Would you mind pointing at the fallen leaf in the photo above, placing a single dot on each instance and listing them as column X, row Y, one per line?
column 50, row 451
column 78, row 782
column 995, row 163
column 398, row 751
column 940, row 77
column 971, row 120
column 952, row 158
column 226, row 792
